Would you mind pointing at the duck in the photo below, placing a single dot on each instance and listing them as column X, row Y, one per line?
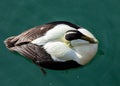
column 57, row 45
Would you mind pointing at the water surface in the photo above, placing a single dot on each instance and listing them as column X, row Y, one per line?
column 101, row 17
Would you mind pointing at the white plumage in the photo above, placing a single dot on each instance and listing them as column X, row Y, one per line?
column 53, row 34
column 58, row 47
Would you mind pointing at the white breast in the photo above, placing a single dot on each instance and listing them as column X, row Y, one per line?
column 86, row 52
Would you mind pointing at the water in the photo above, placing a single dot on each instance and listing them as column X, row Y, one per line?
column 99, row 16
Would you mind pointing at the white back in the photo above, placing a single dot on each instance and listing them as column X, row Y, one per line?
column 53, row 34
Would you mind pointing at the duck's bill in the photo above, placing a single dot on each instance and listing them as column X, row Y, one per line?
column 91, row 40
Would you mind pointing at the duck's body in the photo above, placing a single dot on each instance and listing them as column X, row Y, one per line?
column 55, row 45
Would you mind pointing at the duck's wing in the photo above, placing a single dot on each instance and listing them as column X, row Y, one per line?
column 22, row 45
column 29, row 35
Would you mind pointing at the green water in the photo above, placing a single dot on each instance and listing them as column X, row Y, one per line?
column 101, row 17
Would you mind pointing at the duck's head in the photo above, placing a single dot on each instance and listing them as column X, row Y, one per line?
column 83, row 42
column 79, row 37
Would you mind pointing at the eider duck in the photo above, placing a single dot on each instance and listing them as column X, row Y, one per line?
column 57, row 45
